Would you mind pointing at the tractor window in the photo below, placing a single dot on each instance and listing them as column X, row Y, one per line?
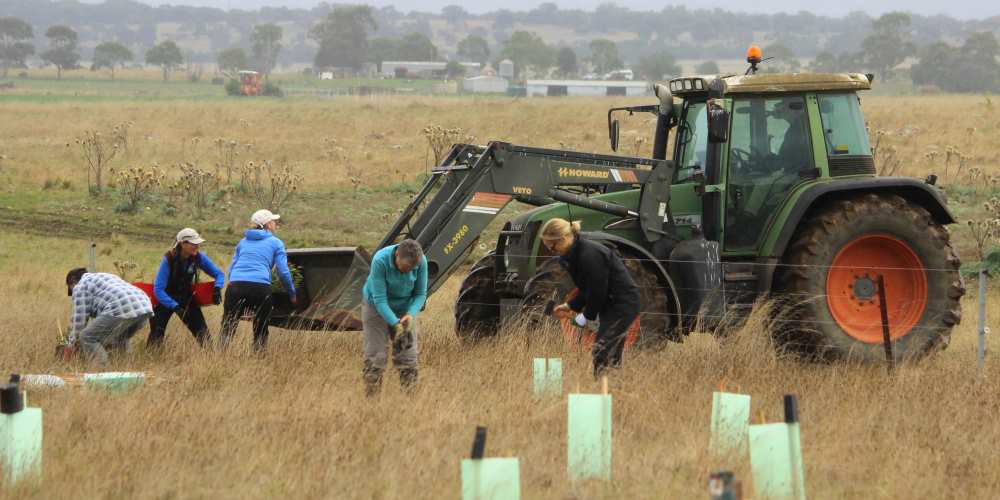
column 843, row 125
column 768, row 148
column 692, row 141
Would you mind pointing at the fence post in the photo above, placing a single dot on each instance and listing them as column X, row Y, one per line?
column 982, row 320
column 92, row 258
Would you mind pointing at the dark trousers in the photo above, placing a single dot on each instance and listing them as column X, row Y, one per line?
column 610, row 339
column 190, row 314
column 243, row 298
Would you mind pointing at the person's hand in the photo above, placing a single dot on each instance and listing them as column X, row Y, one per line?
column 398, row 329
column 294, row 299
column 406, row 320
column 216, row 296
column 562, row 311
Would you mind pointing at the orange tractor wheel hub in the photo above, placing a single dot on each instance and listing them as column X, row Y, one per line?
column 852, row 287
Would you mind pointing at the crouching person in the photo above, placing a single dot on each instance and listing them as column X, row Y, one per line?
column 393, row 295
column 116, row 309
column 608, row 293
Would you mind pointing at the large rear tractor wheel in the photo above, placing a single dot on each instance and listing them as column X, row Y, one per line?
column 552, row 283
column 828, row 287
column 477, row 309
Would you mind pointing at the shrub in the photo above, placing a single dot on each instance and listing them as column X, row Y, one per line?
column 272, row 90
column 270, row 185
column 232, row 87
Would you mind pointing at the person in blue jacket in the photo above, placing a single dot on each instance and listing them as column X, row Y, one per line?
column 173, row 288
column 394, row 293
column 249, row 290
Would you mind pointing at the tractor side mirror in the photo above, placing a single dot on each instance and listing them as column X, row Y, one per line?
column 718, row 124
column 613, row 134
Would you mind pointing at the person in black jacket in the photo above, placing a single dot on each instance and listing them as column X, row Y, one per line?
column 173, row 288
column 607, row 292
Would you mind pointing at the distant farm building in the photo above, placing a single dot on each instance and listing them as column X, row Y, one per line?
column 485, row 85
column 586, row 88
column 422, row 69
column 506, row 69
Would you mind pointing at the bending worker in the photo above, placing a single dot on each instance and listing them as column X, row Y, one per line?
column 116, row 310
column 607, row 292
column 394, row 293
column 249, row 289
column 173, row 288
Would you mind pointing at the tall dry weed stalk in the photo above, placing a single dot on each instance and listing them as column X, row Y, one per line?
column 440, row 140
column 227, row 153
column 986, row 230
column 99, row 149
column 269, row 184
column 887, row 160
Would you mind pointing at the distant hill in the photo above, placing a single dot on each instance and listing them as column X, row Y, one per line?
column 687, row 33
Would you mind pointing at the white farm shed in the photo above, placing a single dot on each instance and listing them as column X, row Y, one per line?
column 586, row 88
column 485, row 85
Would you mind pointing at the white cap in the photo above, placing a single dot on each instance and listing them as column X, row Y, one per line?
column 263, row 216
column 189, row 235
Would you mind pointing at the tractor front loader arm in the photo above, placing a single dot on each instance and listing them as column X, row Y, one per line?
column 462, row 197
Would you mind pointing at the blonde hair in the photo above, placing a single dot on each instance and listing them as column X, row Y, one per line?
column 557, row 229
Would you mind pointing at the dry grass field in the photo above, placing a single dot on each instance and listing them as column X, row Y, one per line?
column 295, row 423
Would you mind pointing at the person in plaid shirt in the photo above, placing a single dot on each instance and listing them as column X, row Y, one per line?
column 118, row 310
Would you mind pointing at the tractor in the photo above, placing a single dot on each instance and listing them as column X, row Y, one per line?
column 250, row 83
column 770, row 193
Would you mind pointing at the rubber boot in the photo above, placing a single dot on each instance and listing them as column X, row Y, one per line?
column 408, row 379
column 373, row 380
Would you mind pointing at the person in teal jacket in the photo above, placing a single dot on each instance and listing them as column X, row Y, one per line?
column 394, row 294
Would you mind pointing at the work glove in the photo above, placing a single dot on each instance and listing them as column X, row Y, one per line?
column 216, row 296
column 580, row 320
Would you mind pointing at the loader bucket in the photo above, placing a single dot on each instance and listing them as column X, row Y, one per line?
column 329, row 297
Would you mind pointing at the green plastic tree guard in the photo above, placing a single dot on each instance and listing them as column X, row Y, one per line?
column 21, row 443
column 548, row 377
column 114, row 381
column 730, row 420
column 491, row 479
column 588, row 453
column 776, row 460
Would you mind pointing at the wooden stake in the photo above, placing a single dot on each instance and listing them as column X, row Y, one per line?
column 604, row 384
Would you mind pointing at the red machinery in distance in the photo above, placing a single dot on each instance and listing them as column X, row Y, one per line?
column 250, row 83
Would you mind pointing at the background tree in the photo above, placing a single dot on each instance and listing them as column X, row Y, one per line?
column 889, row 43
column 166, row 55
column 343, row 37
column 454, row 14
column 454, row 70
column 15, row 42
column 527, row 50
column 416, row 47
column 658, row 65
column 265, row 41
column 383, row 49
column 566, row 62
column 474, row 48
column 231, row 61
column 604, row 55
column 708, row 68
column 110, row 55
column 784, row 59
column 970, row 68
column 62, row 49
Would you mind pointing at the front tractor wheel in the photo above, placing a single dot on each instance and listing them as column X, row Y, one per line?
column 828, row 283
column 477, row 309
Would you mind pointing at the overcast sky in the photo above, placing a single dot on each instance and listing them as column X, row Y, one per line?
column 961, row 9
